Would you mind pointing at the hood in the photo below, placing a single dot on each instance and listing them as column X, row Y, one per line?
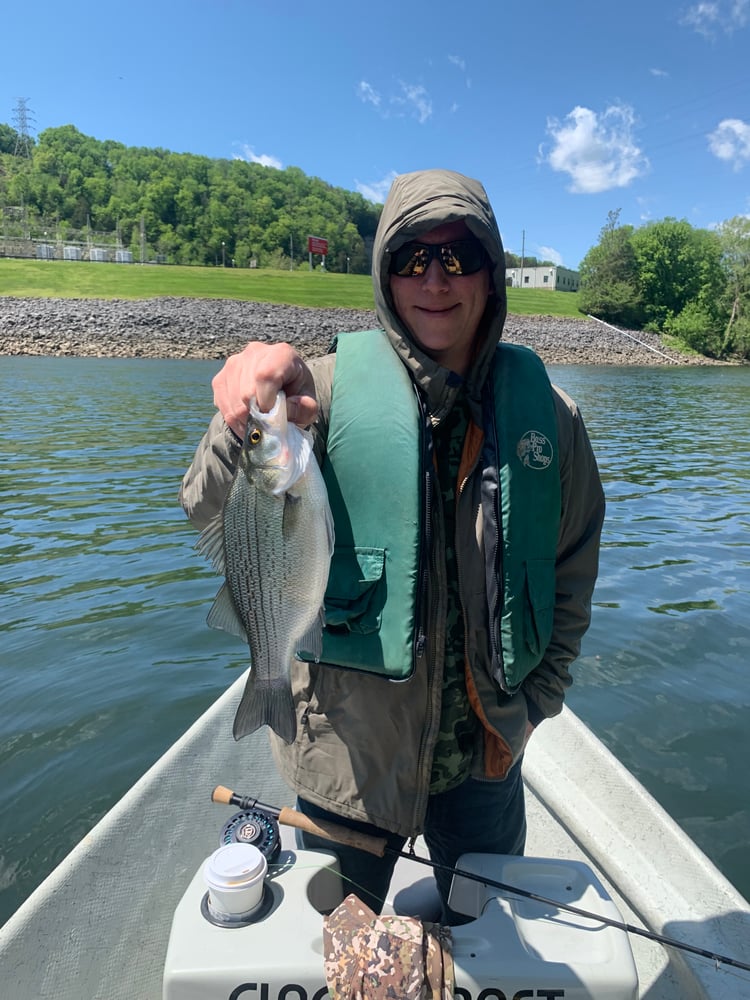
column 417, row 203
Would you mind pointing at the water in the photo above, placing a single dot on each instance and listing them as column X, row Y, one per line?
column 105, row 658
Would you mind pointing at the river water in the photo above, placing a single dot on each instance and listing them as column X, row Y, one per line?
column 105, row 657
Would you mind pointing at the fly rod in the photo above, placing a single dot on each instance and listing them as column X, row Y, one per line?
column 378, row 846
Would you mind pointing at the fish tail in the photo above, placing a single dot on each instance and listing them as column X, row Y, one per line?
column 266, row 703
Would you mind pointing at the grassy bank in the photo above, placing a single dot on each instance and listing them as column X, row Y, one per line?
column 84, row 280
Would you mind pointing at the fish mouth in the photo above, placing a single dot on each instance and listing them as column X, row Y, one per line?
column 275, row 463
column 275, row 418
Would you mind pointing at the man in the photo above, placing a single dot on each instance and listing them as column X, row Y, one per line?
column 508, row 507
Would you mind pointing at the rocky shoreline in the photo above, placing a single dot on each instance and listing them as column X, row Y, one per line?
column 210, row 328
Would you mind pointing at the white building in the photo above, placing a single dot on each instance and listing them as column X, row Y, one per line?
column 549, row 276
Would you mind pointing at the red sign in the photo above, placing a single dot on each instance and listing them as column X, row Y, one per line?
column 315, row 244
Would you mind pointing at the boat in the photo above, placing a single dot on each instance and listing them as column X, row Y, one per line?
column 109, row 921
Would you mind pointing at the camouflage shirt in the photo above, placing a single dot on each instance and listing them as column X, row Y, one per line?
column 455, row 743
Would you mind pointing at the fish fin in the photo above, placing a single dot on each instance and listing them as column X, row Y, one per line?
column 266, row 703
column 293, row 510
column 211, row 543
column 224, row 616
column 310, row 645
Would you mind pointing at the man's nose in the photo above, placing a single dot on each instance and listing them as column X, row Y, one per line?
column 435, row 278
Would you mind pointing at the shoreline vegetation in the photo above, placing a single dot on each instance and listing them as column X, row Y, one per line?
column 177, row 327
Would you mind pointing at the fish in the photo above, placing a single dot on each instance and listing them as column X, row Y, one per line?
column 272, row 542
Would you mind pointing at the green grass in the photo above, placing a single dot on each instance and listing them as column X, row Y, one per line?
column 538, row 302
column 84, row 280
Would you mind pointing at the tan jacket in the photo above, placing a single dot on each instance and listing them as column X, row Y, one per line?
column 364, row 746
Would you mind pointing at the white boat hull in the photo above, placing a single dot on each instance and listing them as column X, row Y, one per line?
column 98, row 927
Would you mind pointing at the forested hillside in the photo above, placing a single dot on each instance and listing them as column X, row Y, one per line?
column 177, row 207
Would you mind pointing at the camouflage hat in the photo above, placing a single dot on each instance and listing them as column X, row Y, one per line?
column 368, row 957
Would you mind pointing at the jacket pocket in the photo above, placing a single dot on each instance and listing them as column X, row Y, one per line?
column 356, row 590
column 540, row 604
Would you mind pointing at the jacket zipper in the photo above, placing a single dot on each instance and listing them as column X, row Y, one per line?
column 494, row 622
column 459, row 493
column 420, row 637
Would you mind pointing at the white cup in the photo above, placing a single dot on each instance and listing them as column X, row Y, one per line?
column 234, row 876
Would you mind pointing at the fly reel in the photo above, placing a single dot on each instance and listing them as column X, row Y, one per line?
column 253, row 826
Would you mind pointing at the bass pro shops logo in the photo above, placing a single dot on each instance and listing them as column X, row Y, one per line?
column 535, row 450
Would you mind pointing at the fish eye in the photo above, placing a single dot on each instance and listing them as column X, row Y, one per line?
column 254, row 436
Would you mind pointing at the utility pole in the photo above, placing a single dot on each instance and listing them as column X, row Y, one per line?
column 23, row 119
column 523, row 251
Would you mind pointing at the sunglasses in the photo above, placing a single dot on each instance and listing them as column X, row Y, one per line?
column 457, row 259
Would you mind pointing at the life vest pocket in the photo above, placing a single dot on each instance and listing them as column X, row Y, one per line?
column 356, row 590
column 540, row 608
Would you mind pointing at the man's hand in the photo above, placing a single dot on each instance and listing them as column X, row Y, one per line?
column 260, row 370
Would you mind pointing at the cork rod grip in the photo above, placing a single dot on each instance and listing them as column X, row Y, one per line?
column 332, row 831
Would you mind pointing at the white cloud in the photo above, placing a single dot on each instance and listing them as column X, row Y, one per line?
column 708, row 18
column 730, row 141
column 412, row 99
column 654, row 71
column 460, row 64
column 378, row 190
column 597, row 151
column 644, row 204
column 549, row 253
column 416, row 99
column 703, row 17
column 368, row 94
column 263, row 158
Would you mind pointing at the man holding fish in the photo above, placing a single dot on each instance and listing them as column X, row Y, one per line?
column 466, row 509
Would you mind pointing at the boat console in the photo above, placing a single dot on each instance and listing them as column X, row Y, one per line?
column 513, row 948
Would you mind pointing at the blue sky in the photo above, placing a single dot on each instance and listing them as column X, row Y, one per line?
column 564, row 111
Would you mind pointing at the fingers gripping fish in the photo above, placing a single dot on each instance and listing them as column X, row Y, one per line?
column 273, row 543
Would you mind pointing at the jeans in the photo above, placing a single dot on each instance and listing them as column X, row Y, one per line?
column 488, row 817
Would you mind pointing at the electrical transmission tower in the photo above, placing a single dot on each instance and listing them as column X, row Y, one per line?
column 23, row 120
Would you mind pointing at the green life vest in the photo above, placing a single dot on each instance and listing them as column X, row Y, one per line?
column 378, row 470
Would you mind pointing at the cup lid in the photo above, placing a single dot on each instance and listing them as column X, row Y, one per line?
column 235, row 865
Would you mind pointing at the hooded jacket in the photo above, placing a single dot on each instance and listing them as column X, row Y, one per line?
column 364, row 746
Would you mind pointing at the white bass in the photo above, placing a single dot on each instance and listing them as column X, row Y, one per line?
column 272, row 542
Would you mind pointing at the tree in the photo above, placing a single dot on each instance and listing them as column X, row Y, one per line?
column 676, row 264
column 682, row 282
column 734, row 237
column 609, row 276
column 8, row 139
